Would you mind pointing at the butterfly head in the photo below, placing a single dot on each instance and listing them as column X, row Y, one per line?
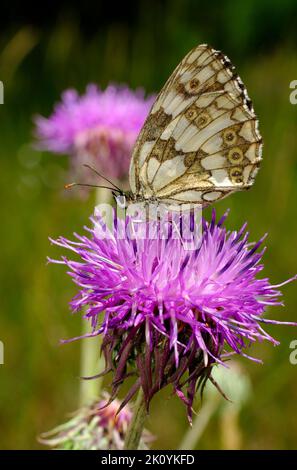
column 123, row 198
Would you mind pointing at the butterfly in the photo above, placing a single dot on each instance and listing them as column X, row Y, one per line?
column 200, row 141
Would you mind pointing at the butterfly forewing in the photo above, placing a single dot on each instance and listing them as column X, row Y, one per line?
column 200, row 141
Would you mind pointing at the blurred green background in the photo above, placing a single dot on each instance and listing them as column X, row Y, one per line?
column 41, row 54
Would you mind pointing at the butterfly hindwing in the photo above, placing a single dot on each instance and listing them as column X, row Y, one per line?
column 200, row 141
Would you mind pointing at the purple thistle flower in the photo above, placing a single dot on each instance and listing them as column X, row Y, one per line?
column 168, row 314
column 98, row 128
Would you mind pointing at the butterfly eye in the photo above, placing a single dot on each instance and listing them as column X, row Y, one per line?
column 235, row 155
column 236, row 175
column 229, row 137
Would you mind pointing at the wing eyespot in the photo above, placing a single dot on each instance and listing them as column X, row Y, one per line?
column 235, row 155
column 191, row 114
column 236, row 175
column 203, row 120
column 229, row 137
column 194, row 84
column 200, row 119
column 192, row 87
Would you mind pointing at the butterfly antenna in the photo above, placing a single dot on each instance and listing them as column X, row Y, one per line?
column 101, row 176
column 71, row 185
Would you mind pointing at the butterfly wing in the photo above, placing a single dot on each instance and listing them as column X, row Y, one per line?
column 201, row 140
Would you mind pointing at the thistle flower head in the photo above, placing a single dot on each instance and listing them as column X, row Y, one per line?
column 98, row 128
column 98, row 426
column 167, row 314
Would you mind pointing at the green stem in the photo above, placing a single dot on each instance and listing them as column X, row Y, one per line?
column 91, row 362
column 194, row 433
column 137, row 424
